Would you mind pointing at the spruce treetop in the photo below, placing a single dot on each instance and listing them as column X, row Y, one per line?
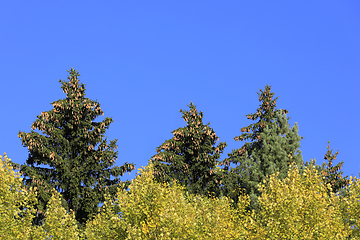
column 79, row 159
column 265, row 113
column 190, row 156
column 272, row 147
column 333, row 174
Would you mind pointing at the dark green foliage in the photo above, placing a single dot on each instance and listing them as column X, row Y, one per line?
column 333, row 174
column 274, row 146
column 190, row 156
column 73, row 147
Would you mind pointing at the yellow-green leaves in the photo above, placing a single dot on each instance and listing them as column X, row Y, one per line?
column 151, row 210
column 14, row 201
column 58, row 223
column 16, row 214
column 350, row 206
column 298, row 207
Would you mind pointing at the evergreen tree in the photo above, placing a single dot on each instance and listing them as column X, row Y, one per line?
column 190, row 157
column 333, row 174
column 274, row 146
column 73, row 147
column 280, row 146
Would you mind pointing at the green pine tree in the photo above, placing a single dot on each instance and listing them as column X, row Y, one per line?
column 190, row 157
column 333, row 174
column 72, row 155
column 280, row 146
column 274, row 146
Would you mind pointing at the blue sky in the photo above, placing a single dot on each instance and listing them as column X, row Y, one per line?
column 143, row 61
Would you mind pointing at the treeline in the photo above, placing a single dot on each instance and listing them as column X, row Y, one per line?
column 296, row 207
column 81, row 163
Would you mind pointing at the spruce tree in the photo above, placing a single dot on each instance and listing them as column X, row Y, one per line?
column 274, row 145
column 333, row 174
column 71, row 155
column 190, row 157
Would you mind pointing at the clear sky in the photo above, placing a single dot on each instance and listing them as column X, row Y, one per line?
column 143, row 61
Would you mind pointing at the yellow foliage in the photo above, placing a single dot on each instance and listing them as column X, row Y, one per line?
column 151, row 210
column 58, row 223
column 13, row 197
column 298, row 207
column 350, row 206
